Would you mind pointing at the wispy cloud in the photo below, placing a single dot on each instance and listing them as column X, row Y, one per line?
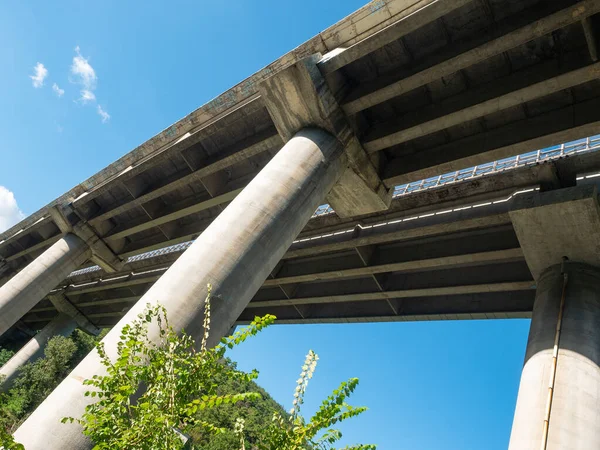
column 87, row 96
column 83, row 72
column 58, row 91
column 103, row 114
column 10, row 213
column 40, row 74
column 84, row 75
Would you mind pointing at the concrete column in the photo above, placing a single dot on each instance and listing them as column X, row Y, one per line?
column 61, row 325
column 573, row 421
column 235, row 254
column 35, row 281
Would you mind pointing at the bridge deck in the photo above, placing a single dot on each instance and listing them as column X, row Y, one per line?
column 430, row 88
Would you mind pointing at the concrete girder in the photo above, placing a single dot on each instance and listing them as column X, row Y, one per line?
column 539, row 27
column 415, row 16
column 407, row 293
column 64, row 306
column 424, row 264
column 503, row 102
column 493, row 145
column 248, row 152
column 591, row 37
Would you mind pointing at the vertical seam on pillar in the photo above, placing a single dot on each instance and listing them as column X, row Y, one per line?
column 551, row 383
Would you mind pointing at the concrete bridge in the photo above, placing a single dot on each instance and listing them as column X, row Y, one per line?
column 435, row 132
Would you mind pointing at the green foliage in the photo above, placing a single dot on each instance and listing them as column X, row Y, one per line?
column 5, row 355
column 178, row 380
column 255, row 413
column 36, row 380
column 294, row 433
column 8, row 442
column 201, row 394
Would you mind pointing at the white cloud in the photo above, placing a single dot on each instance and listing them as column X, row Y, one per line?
column 58, row 91
column 105, row 116
column 84, row 75
column 10, row 213
column 87, row 96
column 40, row 75
column 83, row 72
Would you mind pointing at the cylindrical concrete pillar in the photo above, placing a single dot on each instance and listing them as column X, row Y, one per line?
column 33, row 283
column 562, row 398
column 235, row 254
column 61, row 325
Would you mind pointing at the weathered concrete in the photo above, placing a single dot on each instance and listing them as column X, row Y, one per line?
column 235, row 254
column 34, row 282
column 574, row 418
column 553, row 224
column 64, row 306
column 62, row 325
column 298, row 97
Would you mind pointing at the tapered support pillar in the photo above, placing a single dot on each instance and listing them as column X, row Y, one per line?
column 61, row 325
column 564, row 399
column 35, row 281
column 235, row 254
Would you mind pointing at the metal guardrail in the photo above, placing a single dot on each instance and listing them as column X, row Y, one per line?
column 589, row 144
column 558, row 151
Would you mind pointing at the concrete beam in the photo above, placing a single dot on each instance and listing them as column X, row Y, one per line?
column 64, row 306
column 404, row 234
column 506, row 42
column 444, row 262
column 509, row 140
column 193, row 209
column 102, row 255
column 554, row 224
column 407, row 293
column 591, row 37
column 490, row 315
column 485, row 108
column 298, row 97
column 263, row 145
column 419, row 14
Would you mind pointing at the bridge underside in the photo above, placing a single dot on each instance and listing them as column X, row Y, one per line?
column 421, row 123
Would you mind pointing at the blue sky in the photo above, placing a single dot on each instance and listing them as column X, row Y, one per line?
column 434, row 385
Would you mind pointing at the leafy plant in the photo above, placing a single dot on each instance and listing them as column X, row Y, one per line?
column 294, row 433
column 177, row 380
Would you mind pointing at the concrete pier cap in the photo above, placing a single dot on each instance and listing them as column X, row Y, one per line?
column 299, row 97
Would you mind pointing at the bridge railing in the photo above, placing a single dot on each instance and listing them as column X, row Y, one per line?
column 558, row 151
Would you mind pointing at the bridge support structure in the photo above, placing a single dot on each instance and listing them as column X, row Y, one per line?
column 557, row 405
column 235, row 254
column 25, row 290
column 61, row 325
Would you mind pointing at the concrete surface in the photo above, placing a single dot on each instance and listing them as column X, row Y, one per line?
column 35, row 281
column 62, row 325
column 235, row 255
column 574, row 420
column 563, row 222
